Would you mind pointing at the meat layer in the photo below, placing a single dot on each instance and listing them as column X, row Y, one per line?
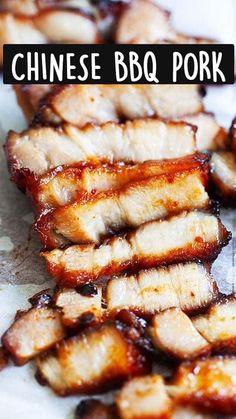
column 207, row 384
column 96, row 216
column 33, row 332
column 144, row 22
column 174, row 334
column 83, row 104
column 39, row 149
column 92, row 361
column 223, row 174
column 53, row 24
column 65, row 184
column 188, row 236
column 187, row 286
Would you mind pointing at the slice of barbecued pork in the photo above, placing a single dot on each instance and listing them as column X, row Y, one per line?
column 223, row 174
column 210, row 135
column 39, row 149
column 208, row 384
column 218, row 325
column 29, row 96
column 144, row 22
column 33, row 332
column 92, row 361
column 96, row 216
column 53, row 24
column 65, row 184
column 79, row 306
column 201, row 389
column 174, row 334
column 186, row 237
column 83, row 104
column 144, row 398
column 187, row 286
column 22, row 7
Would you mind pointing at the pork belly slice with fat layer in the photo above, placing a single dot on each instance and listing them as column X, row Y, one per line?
column 29, row 96
column 209, row 385
column 96, row 216
column 210, row 135
column 173, row 333
column 92, row 361
column 49, row 25
column 223, row 174
column 77, row 307
column 144, row 22
column 201, row 389
column 35, row 331
column 186, row 237
column 41, row 149
column 188, row 286
column 218, row 325
column 144, row 398
column 64, row 184
column 83, row 104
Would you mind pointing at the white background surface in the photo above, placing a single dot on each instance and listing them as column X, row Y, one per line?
column 20, row 395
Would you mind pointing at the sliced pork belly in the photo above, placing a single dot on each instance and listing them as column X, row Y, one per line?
column 208, row 384
column 67, row 25
column 83, row 104
column 94, row 217
column 33, row 332
column 223, row 174
column 218, row 325
column 187, row 286
column 49, row 25
column 210, row 135
column 77, row 307
column 188, row 236
column 92, row 361
column 65, row 184
column 41, row 149
column 173, row 333
column 144, row 22
column 18, row 30
column 24, row 7
column 29, row 96
column 144, row 398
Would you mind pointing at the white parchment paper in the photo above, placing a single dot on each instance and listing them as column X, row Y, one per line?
column 22, row 273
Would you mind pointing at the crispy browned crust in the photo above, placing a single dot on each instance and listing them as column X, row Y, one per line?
column 3, row 358
column 48, row 223
column 205, row 398
column 124, row 173
column 95, row 409
column 195, row 251
column 135, row 363
column 233, row 135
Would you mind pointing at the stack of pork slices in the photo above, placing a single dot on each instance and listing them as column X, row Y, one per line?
column 119, row 181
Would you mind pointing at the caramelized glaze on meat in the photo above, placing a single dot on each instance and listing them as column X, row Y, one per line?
column 188, row 236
